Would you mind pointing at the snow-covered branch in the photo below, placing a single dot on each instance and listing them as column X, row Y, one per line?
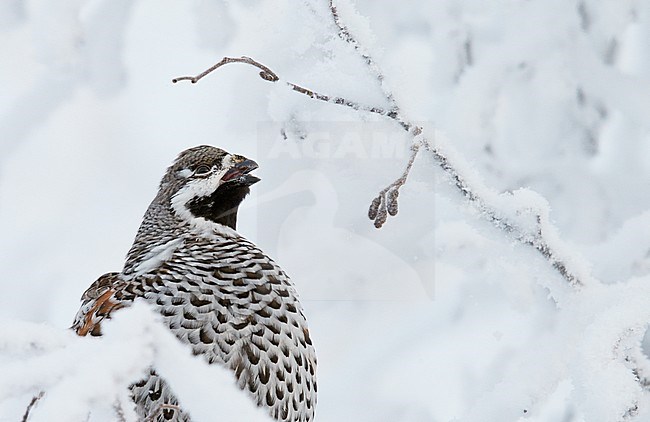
column 344, row 33
column 491, row 205
column 97, row 372
column 521, row 215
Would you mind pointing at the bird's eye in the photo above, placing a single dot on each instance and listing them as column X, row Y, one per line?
column 202, row 170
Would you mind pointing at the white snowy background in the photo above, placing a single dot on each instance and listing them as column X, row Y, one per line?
column 438, row 316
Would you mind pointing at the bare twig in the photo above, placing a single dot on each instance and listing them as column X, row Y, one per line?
column 269, row 75
column 31, row 405
column 265, row 73
column 386, row 201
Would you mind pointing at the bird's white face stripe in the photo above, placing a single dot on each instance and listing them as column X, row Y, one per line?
column 185, row 173
column 199, row 188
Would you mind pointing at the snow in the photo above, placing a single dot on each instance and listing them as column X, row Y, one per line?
column 84, row 374
column 541, row 106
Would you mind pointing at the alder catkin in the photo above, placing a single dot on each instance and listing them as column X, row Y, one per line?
column 381, row 217
column 374, row 208
column 391, row 200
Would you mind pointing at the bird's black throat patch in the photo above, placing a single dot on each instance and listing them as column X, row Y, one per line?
column 222, row 205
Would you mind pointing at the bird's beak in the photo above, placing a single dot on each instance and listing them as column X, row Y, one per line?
column 239, row 172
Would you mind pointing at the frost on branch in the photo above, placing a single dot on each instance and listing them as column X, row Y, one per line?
column 31, row 405
column 385, row 203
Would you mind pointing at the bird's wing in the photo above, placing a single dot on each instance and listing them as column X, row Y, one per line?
column 233, row 305
column 154, row 399
column 98, row 301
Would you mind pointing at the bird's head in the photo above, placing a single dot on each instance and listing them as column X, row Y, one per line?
column 207, row 182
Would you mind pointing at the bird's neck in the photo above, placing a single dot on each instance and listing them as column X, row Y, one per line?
column 161, row 226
